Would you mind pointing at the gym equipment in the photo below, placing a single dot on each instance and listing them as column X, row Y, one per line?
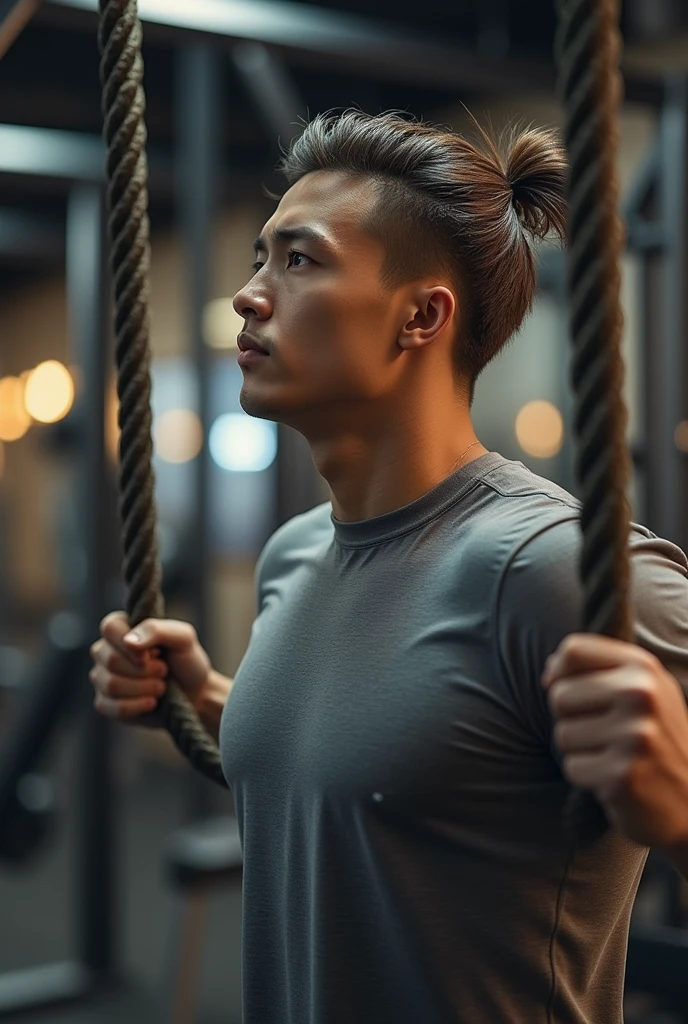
column 27, row 810
column 198, row 858
column 30, row 815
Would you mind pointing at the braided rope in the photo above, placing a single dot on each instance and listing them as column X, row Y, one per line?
column 588, row 49
column 121, row 74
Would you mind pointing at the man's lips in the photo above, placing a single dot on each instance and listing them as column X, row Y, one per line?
column 246, row 341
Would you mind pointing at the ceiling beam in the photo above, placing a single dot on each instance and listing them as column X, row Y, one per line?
column 331, row 39
column 14, row 16
column 316, row 37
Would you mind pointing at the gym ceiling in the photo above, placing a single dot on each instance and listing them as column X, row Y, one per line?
column 49, row 74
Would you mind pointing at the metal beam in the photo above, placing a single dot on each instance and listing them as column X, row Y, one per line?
column 272, row 89
column 337, row 40
column 72, row 157
column 14, row 16
column 669, row 358
column 88, row 305
column 311, row 35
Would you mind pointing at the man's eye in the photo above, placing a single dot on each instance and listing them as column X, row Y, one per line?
column 291, row 256
column 293, row 253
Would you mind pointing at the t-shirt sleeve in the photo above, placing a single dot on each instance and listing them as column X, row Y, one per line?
column 540, row 601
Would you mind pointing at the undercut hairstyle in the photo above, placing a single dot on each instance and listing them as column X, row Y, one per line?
column 449, row 206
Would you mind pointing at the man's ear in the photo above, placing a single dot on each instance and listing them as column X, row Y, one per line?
column 432, row 311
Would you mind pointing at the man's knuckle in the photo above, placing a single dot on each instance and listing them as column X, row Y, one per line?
column 110, row 687
column 643, row 737
column 571, row 645
column 644, row 693
column 111, row 659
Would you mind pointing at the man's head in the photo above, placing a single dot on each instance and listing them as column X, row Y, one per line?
column 423, row 272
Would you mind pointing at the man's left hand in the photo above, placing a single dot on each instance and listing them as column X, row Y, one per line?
column 622, row 729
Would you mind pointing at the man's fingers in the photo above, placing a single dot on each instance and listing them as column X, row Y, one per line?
column 627, row 689
column 585, row 770
column 121, row 665
column 170, row 633
column 587, row 696
column 585, row 652
column 125, row 685
column 588, row 733
column 124, row 709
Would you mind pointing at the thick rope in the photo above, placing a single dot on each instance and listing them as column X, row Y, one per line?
column 588, row 51
column 121, row 74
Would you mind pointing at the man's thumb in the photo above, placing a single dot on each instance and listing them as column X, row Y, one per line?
column 138, row 637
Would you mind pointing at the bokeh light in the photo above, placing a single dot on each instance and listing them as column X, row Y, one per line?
column 681, row 436
column 241, row 444
column 14, row 419
column 49, row 392
column 112, row 430
column 540, row 429
column 221, row 324
column 178, row 435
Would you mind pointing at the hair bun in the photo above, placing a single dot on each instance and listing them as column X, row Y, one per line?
column 536, row 169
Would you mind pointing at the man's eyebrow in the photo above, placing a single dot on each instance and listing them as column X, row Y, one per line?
column 292, row 235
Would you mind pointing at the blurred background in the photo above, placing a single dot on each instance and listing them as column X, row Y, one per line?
column 109, row 879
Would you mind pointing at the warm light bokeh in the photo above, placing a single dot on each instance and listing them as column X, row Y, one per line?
column 221, row 324
column 178, row 435
column 14, row 419
column 540, row 429
column 681, row 436
column 49, row 392
column 112, row 430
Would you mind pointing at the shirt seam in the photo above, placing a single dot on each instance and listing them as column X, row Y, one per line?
column 499, row 587
column 450, row 504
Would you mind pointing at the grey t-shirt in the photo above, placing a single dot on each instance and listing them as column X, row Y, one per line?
column 389, row 747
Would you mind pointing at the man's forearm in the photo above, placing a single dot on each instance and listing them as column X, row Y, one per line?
column 213, row 700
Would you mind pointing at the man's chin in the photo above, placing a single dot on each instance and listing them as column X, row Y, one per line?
column 252, row 406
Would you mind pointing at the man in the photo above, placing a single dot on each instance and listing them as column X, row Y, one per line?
column 390, row 736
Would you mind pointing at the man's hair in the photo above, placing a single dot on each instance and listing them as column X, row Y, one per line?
column 446, row 205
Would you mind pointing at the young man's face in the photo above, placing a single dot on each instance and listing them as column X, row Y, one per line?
column 321, row 312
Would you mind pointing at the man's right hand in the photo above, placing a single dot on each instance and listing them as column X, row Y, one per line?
column 129, row 674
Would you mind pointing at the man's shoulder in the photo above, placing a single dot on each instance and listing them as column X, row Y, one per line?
column 295, row 539
column 522, row 509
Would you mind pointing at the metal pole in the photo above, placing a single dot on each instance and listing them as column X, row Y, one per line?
column 670, row 406
column 86, row 285
column 198, row 105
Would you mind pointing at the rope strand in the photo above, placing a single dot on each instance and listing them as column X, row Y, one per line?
column 588, row 49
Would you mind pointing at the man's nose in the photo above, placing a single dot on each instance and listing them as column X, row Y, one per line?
column 248, row 303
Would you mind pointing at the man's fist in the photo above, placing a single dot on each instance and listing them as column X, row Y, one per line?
column 130, row 667
column 622, row 728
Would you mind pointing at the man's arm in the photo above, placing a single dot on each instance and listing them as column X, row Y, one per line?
column 622, row 729
column 212, row 700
